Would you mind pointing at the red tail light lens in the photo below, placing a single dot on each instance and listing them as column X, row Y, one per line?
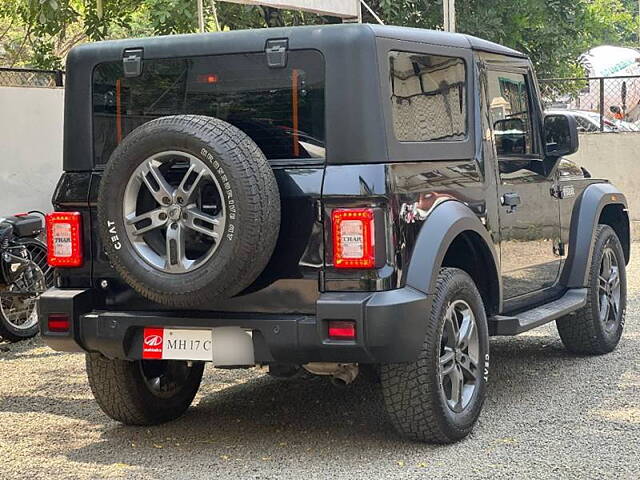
column 58, row 322
column 342, row 330
column 64, row 239
column 353, row 238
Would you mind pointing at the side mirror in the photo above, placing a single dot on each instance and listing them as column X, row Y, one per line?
column 560, row 134
column 510, row 136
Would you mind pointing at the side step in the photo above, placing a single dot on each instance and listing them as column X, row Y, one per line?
column 571, row 301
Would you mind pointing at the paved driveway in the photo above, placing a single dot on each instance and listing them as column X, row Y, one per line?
column 549, row 415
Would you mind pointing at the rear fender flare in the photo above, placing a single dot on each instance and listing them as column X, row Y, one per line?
column 584, row 220
column 442, row 226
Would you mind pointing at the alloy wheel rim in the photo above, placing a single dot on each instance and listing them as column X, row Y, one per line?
column 168, row 220
column 609, row 289
column 459, row 356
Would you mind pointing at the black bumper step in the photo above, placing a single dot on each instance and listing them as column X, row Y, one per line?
column 571, row 301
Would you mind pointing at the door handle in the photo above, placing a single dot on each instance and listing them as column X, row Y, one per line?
column 511, row 200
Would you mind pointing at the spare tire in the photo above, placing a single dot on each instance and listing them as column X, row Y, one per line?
column 189, row 210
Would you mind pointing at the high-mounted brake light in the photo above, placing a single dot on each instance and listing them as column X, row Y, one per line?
column 207, row 78
column 353, row 238
column 64, row 239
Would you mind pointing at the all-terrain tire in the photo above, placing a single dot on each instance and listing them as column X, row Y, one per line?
column 249, row 193
column 583, row 332
column 413, row 392
column 123, row 388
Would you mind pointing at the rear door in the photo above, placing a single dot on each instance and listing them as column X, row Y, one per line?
column 282, row 108
column 529, row 214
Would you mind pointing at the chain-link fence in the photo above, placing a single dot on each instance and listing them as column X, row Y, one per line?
column 600, row 104
column 25, row 77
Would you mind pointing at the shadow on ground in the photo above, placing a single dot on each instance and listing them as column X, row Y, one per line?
column 270, row 418
column 243, row 418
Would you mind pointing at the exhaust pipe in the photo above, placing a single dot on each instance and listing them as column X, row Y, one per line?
column 341, row 373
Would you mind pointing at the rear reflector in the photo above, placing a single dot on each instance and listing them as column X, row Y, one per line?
column 58, row 322
column 64, row 239
column 342, row 330
column 353, row 238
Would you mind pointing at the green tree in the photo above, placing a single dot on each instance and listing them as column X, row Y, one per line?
column 553, row 32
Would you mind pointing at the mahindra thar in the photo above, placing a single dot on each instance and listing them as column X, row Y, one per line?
column 338, row 199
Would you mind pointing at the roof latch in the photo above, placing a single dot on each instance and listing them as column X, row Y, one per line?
column 132, row 62
column 276, row 51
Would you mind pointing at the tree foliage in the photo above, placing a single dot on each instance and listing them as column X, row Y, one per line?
column 553, row 32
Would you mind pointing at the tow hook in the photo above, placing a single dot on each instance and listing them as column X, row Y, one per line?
column 341, row 373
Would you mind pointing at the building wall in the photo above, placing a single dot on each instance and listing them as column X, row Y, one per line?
column 616, row 157
column 31, row 122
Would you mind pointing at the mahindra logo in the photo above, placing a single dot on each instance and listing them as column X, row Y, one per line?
column 153, row 340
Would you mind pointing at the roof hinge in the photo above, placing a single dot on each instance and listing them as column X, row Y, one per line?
column 132, row 62
column 276, row 51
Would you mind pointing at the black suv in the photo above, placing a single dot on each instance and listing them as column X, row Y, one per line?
column 341, row 198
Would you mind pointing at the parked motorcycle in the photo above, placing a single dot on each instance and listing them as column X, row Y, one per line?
column 24, row 274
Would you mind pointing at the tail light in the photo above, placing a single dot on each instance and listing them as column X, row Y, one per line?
column 353, row 238
column 64, row 239
column 342, row 330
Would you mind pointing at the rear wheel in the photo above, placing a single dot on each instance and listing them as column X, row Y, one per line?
column 143, row 392
column 438, row 397
column 597, row 328
column 18, row 298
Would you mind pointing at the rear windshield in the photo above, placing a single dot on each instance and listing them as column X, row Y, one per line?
column 281, row 109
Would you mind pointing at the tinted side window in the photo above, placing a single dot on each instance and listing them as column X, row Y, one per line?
column 510, row 113
column 282, row 109
column 428, row 97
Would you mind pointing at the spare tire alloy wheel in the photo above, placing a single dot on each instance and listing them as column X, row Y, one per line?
column 175, row 214
column 189, row 210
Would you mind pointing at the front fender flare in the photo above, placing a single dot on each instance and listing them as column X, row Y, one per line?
column 584, row 220
column 442, row 226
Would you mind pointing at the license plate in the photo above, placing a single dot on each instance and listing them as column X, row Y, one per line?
column 224, row 346
column 177, row 344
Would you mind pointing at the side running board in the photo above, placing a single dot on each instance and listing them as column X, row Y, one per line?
column 571, row 301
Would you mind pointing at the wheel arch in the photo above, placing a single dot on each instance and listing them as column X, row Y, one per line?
column 617, row 217
column 598, row 203
column 453, row 236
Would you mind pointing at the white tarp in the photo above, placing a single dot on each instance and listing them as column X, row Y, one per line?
column 335, row 8
column 609, row 61
column 622, row 93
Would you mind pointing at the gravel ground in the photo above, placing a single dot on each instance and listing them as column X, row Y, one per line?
column 549, row 415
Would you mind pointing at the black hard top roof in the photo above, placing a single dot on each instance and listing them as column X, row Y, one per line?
column 250, row 39
column 438, row 37
column 358, row 130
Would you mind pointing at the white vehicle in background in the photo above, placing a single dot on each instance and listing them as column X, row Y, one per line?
column 620, row 94
column 589, row 122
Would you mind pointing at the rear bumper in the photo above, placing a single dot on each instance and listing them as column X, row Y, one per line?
column 390, row 327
